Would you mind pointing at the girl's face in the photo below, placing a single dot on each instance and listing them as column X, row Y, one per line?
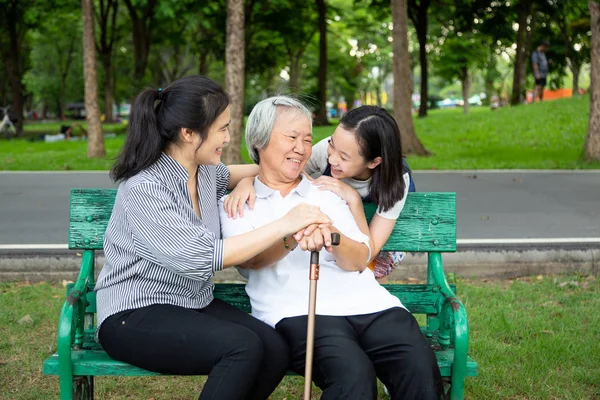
column 345, row 158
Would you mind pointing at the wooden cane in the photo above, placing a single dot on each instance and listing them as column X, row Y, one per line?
column 312, row 303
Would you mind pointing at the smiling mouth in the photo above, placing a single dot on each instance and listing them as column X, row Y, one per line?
column 295, row 161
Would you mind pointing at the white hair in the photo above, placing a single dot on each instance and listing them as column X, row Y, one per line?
column 262, row 120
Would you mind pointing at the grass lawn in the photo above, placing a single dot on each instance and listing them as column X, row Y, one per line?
column 32, row 128
column 549, row 135
column 534, row 338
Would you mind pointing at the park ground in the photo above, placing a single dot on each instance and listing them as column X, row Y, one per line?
column 534, row 338
column 549, row 135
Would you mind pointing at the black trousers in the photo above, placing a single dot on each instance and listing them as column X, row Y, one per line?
column 243, row 357
column 351, row 352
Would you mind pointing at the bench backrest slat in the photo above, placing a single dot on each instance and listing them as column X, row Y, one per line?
column 90, row 212
column 427, row 222
column 417, row 298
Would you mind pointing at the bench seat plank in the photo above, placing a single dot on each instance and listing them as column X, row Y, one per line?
column 418, row 299
column 98, row 363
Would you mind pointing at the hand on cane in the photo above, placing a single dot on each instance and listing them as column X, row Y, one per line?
column 319, row 237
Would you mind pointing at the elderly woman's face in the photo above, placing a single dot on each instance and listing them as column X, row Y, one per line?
column 290, row 146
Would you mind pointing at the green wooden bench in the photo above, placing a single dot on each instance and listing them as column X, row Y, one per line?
column 427, row 224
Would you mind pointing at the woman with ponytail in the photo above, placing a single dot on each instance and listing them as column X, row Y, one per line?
column 155, row 301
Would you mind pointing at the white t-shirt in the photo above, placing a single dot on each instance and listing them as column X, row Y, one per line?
column 282, row 290
column 317, row 164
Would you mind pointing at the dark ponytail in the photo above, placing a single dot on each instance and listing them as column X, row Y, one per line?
column 157, row 116
column 378, row 135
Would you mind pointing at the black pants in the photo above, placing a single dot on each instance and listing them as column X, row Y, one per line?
column 350, row 352
column 243, row 357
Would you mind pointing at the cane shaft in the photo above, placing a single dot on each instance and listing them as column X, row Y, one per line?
column 310, row 339
column 312, row 305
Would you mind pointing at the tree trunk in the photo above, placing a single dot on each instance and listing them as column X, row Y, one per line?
column 141, row 25
column 321, row 114
column 295, row 71
column 378, row 94
column 575, row 70
column 141, row 50
column 203, row 67
column 592, row 141
column 107, row 16
column 61, row 102
column 63, row 78
column 234, row 77
column 401, row 68
column 108, row 88
column 520, row 57
column 3, row 84
column 526, row 10
column 109, row 85
column 13, row 62
column 421, row 28
column 466, row 85
column 95, row 138
column 423, row 61
column 350, row 97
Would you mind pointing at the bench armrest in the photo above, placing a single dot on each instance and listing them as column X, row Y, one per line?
column 71, row 322
column 454, row 327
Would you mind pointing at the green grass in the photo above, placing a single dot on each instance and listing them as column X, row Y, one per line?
column 549, row 135
column 534, row 338
column 53, row 127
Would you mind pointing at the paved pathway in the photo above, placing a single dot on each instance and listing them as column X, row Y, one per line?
column 493, row 206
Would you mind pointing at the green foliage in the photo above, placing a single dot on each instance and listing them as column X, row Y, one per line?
column 459, row 54
column 56, row 55
column 568, row 30
column 188, row 37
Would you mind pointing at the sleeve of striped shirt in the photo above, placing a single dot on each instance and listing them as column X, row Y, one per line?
column 166, row 236
column 223, row 177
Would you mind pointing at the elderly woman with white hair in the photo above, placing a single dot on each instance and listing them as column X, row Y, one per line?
column 362, row 331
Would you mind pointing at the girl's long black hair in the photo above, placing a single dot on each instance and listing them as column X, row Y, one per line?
column 157, row 116
column 378, row 135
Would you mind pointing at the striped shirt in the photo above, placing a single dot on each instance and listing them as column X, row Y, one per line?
column 158, row 251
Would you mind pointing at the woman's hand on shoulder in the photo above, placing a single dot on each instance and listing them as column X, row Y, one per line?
column 345, row 191
column 243, row 192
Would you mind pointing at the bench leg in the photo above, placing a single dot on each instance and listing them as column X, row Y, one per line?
column 457, row 390
column 83, row 388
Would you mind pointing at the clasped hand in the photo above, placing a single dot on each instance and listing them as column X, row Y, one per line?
column 315, row 237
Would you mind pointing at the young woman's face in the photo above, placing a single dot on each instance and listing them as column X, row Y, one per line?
column 344, row 156
column 210, row 149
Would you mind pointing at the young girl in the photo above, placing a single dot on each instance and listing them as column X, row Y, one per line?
column 361, row 161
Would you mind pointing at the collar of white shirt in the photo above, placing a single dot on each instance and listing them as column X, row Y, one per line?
column 263, row 191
